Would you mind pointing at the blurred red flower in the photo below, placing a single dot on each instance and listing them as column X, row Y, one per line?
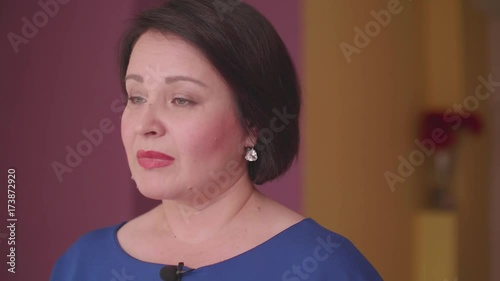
column 450, row 123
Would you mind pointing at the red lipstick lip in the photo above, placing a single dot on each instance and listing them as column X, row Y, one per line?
column 151, row 159
column 154, row 155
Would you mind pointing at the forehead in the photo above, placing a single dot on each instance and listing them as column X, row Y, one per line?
column 169, row 54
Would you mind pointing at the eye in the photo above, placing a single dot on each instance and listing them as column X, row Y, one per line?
column 181, row 101
column 136, row 99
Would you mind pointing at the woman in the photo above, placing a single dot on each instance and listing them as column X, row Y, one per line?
column 212, row 109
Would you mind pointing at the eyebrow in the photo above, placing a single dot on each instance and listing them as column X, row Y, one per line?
column 168, row 79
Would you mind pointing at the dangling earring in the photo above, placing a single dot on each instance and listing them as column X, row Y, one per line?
column 251, row 154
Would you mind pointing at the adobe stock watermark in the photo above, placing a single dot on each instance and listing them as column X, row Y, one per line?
column 121, row 276
column 363, row 37
column 154, row 77
column 310, row 264
column 91, row 139
column 48, row 9
column 455, row 116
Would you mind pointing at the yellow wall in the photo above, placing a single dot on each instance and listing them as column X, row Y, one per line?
column 360, row 117
column 443, row 47
column 436, row 251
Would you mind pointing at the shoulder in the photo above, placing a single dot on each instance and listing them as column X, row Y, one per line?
column 82, row 253
column 320, row 254
column 98, row 238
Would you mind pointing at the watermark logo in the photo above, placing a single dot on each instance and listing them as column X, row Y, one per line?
column 310, row 264
column 30, row 28
column 454, row 116
column 363, row 37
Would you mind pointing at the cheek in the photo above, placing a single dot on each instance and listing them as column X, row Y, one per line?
column 220, row 137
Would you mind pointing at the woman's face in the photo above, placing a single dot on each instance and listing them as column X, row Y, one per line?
column 180, row 106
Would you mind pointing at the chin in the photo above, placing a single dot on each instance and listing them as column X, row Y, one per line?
column 157, row 191
column 150, row 194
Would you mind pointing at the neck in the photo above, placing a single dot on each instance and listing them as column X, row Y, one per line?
column 207, row 218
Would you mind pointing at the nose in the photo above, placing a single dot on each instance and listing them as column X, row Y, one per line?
column 150, row 123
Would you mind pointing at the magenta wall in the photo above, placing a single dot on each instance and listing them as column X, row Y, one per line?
column 62, row 82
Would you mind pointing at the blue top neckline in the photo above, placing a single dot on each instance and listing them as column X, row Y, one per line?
column 220, row 263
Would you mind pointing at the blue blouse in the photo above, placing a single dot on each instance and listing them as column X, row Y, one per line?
column 304, row 251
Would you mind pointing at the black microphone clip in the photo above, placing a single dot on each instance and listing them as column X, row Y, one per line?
column 173, row 273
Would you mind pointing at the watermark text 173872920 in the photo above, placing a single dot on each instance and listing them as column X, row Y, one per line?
column 11, row 220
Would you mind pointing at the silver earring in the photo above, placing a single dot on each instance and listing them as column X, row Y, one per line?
column 251, row 155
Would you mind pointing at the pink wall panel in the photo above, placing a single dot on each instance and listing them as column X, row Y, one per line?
column 62, row 81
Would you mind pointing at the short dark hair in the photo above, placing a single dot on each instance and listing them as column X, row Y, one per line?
column 249, row 54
